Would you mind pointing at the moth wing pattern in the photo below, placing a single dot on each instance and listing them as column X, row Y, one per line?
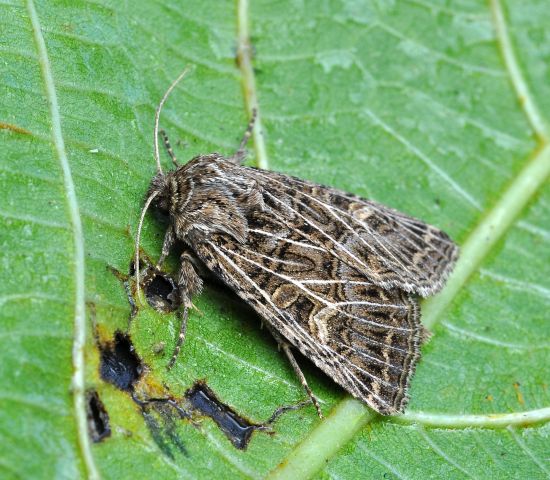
column 362, row 334
column 364, row 337
column 392, row 249
column 332, row 273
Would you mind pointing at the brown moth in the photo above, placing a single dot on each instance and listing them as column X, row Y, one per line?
column 330, row 273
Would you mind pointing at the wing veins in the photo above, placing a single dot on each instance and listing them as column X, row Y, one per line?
column 371, row 304
column 364, row 354
column 391, row 213
column 338, row 244
column 399, row 218
column 370, row 340
column 331, row 210
column 282, row 239
column 307, row 338
column 327, row 304
column 266, row 296
column 369, row 322
column 279, row 260
column 334, row 282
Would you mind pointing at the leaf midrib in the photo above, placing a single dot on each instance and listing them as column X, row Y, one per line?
column 79, row 338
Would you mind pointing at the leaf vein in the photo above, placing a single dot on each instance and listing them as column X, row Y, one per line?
column 521, row 444
column 382, row 462
column 79, row 341
column 244, row 55
column 464, row 421
column 439, row 451
column 441, row 56
column 525, row 97
column 428, row 161
column 461, row 333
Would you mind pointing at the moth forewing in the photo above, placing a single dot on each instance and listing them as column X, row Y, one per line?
column 331, row 273
column 365, row 337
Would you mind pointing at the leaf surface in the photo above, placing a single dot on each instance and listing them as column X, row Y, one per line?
column 436, row 109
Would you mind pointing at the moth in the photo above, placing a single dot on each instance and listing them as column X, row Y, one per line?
column 331, row 274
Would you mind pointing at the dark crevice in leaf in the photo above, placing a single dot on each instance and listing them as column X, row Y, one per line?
column 120, row 364
column 98, row 418
column 235, row 427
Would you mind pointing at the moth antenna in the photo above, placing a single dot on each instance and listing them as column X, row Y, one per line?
column 169, row 148
column 158, row 110
column 138, row 237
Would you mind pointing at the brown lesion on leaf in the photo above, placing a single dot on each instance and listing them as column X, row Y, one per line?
column 120, row 365
column 202, row 401
column 199, row 403
column 161, row 292
column 14, row 128
column 519, row 395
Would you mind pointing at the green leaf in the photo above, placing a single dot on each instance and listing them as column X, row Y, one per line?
column 438, row 109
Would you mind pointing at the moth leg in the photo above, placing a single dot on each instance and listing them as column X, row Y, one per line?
column 285, row 347
column 189, row 284
column 240, row 154
column 167, row 244
column 169, row 148
column 181, row 337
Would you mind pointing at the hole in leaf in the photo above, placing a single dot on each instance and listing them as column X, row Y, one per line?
column 120, row 365
column 98, row 418
column 161, row 292
column 236, row 428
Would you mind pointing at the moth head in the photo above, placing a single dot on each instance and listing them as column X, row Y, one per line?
column 160, row 185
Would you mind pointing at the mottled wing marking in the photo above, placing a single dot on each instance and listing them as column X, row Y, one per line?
column 391, row 248
column 364, row 337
